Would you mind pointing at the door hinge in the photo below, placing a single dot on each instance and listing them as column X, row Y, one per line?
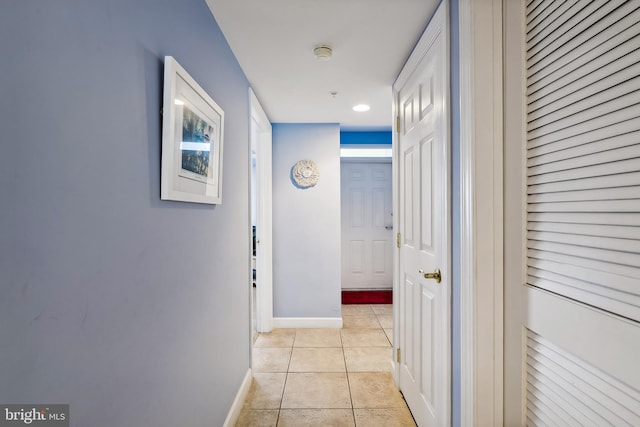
column 398, row 240
column 398, row 124
column 398, row 355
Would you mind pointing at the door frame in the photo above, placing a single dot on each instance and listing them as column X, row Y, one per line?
column 515, row 220
column 481, row 203
column 441, row 14
column 264, row 214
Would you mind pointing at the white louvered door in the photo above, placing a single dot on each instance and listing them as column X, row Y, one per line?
column 572, row 276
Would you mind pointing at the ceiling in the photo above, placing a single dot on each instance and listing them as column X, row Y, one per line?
column 371, row 39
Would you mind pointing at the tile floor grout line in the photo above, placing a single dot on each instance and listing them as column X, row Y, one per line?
column 378, row 319
column 286, row 376
column 346, row 369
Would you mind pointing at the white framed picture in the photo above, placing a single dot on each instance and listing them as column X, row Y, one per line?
column 192, row 139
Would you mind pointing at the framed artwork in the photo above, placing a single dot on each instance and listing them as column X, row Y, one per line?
column 192, row 139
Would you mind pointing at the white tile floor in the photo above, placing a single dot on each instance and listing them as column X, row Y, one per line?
column 327, row 377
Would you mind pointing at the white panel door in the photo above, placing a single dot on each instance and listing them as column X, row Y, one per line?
column 367, row 225
column 424, row 325
column 572, row 218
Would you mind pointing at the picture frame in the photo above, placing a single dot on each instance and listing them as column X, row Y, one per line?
column 192, row 139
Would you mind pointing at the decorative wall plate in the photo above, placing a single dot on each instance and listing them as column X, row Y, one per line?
column 305, row 173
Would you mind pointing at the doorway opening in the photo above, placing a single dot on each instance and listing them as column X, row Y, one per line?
column 367, row 224
column 261, row 220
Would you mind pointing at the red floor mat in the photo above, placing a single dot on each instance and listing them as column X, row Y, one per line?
column 367, row 297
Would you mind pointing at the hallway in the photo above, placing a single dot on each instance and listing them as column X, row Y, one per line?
column 327, row 377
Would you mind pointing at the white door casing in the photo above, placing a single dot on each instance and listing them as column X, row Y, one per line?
column 481, row 206
column 367, row 225
column 422, row 154
column 572, row 265
column 261, row 143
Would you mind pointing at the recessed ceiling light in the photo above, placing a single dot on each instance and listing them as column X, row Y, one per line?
column 361, row 108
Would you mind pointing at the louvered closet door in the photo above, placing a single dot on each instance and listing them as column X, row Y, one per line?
column 579, row 299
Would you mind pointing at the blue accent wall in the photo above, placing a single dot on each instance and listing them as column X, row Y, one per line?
column 374, row 137
column 131, row 309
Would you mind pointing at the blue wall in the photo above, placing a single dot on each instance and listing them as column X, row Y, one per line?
column 354, row 137
column 112, row 300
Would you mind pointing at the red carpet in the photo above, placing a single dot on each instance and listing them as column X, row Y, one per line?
column 367, row 297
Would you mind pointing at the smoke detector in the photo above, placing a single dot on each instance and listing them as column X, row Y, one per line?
column 322, row 52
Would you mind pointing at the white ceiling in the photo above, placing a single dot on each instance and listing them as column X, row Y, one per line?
column 371, row 39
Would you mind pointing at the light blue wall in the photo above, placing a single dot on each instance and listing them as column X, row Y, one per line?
column 131, row 309
column 306, row 223
column 455, row 210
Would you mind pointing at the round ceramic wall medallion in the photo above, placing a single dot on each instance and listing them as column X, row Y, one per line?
column 305, row 173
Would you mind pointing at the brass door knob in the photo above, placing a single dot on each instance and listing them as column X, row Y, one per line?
column 435, row 275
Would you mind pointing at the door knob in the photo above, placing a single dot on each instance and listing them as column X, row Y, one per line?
column 435, row 275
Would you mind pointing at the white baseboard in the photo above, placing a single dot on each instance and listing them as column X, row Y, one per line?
column 236, row 407
column 307, row 322
column 395, row 372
